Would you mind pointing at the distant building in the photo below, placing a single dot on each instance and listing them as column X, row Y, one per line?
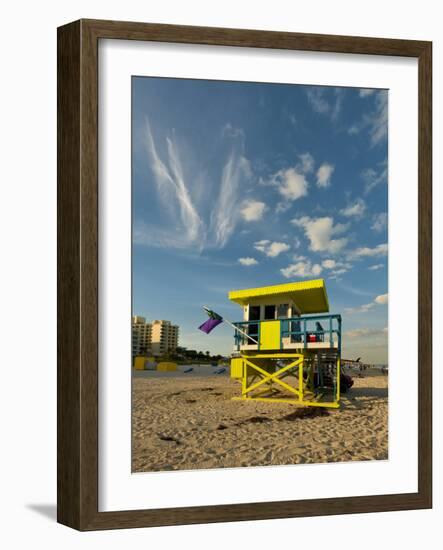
column 164, row 337
column 157, row 338
column 141, row 336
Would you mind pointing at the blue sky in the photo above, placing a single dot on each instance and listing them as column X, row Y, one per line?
column 237, row 185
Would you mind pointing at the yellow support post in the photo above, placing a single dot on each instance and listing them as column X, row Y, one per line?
column 268, row 377
column 300, row 382
column 337, row 398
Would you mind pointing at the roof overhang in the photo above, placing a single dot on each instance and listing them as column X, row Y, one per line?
column 308, row 296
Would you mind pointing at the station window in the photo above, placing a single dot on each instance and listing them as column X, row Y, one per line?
column 282, row 311
column 270, row 312
column 254, row 313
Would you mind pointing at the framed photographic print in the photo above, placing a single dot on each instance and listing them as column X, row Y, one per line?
column 244, row 275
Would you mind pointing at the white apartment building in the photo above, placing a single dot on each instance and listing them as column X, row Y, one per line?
column 164, row 337
column 157, row 338
column 141, row 336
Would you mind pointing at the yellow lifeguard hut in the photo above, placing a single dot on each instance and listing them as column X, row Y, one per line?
column 288, row 346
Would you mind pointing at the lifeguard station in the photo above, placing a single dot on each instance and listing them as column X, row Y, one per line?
column 288, row 346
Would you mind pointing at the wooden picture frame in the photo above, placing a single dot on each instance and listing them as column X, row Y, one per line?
column 77, row 480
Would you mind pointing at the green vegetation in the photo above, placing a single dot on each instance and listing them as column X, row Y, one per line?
column 184, row 356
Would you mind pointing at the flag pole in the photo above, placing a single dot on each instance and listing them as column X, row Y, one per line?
column 234, row 327
column 240, row 330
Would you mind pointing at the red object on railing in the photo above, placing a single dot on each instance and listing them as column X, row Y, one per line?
column 312, row 338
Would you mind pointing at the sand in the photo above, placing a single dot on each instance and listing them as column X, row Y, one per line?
column 183, row 423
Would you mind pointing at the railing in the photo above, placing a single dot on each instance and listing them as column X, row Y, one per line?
column 298, row 330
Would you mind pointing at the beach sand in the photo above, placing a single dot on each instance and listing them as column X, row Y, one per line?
column 183, row 423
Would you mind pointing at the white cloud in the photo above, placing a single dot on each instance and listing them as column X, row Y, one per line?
column 365, row 92
column 365, row 251
column 324, row 174
column 329, row 264
column 306, row 162
column 354, row 210
column 320, row 232
column 291, row 184
column 376, row 267
column 373, row 177
column 380, row 222
column 262, row 245
column 247, row 261
column 277, row 248
column 382, row 299
column 336, row 268
column 252, row 210
column 271, row 249
column 302, row 269
column 325, row 101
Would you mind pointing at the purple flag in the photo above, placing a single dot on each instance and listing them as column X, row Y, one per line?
column 210, row 324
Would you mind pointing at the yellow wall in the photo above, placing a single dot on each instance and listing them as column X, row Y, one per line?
column 270, row 335
column 236, row 367
column 139, row 363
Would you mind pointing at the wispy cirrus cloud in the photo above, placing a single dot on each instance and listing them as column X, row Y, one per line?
column 369, row 252
column 174, row 194
column 325, row 101
column 186, row 226
column 366, row 92
column 355, row 209
column 306, row 164
column 226, row 212
column 373, row 177
column 379, row 222
column 376, row 121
